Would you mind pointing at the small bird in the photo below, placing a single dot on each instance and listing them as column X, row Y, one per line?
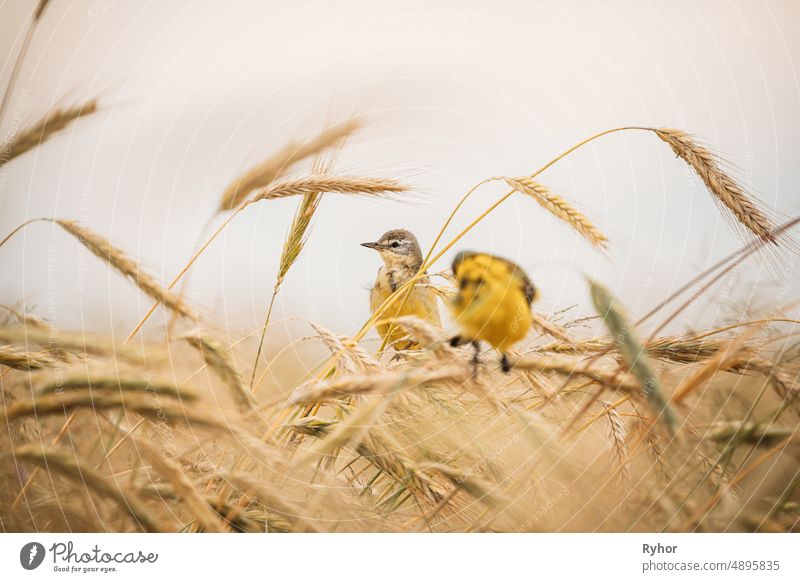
column 402, row 259
column 493, row 303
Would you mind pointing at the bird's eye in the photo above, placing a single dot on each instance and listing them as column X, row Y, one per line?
column 395, row 244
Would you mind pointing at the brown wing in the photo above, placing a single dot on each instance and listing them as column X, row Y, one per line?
column 459, row 258
column 528, row 288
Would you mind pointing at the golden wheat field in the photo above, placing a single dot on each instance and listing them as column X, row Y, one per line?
column 607, row 423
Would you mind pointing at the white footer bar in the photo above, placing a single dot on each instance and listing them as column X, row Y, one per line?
column 407, row 557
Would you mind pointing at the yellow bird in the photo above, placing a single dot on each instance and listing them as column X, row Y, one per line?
column 402, row 259
column 493, row 303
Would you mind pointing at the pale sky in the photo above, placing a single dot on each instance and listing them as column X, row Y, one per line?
column 454, row 92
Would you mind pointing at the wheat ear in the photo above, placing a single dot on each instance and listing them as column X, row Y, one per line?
column 634, row 353
column 219, row 359
column 272, row 168
column 126, row 266
column 324, row 183
column 44, row 129
column 727, row 191
column 86, row 477
column 560, row 208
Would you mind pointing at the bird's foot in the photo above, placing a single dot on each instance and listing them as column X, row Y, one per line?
column 476, row 361
column 505, row 365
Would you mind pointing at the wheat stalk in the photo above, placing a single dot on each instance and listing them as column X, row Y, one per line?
column 552, row 329
column 65, row 345
column 293, row 187
column 372, row 383
column 351, row 357
column 40, row 8
column 311, row 426
column 725, row 189
column 619, row 437
column 633, row 352
column 29, row 320
column 571, row 368
column 427, row 336
column 23, row 51
column 324, row 183
column 272, row 168
column 27, row 361
column 678, row 349
column 42, row 130
column 295, row 240
column 290, row 252
column 74, row 400
column 377, row 448
column 473, row 485
column 114, row 384
column 311, row 188
column 126, row 266
column 655, row 450
column 733, row 354
column 560, row 208
column 274, row 501
column 219, row 359
column 86, row 477
column 748, row 432
column 183, row 488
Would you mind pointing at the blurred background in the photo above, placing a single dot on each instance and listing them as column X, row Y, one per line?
column 194, row 92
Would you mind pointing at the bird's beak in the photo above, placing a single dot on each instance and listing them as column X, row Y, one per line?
column 372, row 245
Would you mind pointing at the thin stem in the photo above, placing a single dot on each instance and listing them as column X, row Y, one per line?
column 263, row 333
column 185, row 283
column 689, row 285
column 12, row 81
column 185, row 268
column 452, row 215
column 23, row 225
column 536, row 173
column 36, row 470
column 740, row 257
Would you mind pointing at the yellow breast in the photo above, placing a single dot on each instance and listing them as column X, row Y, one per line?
column 420, row 303
column 492, row 303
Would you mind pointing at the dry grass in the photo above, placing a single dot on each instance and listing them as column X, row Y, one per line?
column 55, row 462
column 410, row 443
column 618, row 435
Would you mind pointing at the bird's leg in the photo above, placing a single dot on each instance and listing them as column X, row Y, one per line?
column 475, row 359
column 460, row 340
column 505, row 365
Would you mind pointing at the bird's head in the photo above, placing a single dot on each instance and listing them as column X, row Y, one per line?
column 397, row 248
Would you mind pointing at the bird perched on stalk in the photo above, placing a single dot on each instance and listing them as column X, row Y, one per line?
column 402, row 259
column 492, row 303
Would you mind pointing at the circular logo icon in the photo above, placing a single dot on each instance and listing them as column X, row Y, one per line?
column 31, row 555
